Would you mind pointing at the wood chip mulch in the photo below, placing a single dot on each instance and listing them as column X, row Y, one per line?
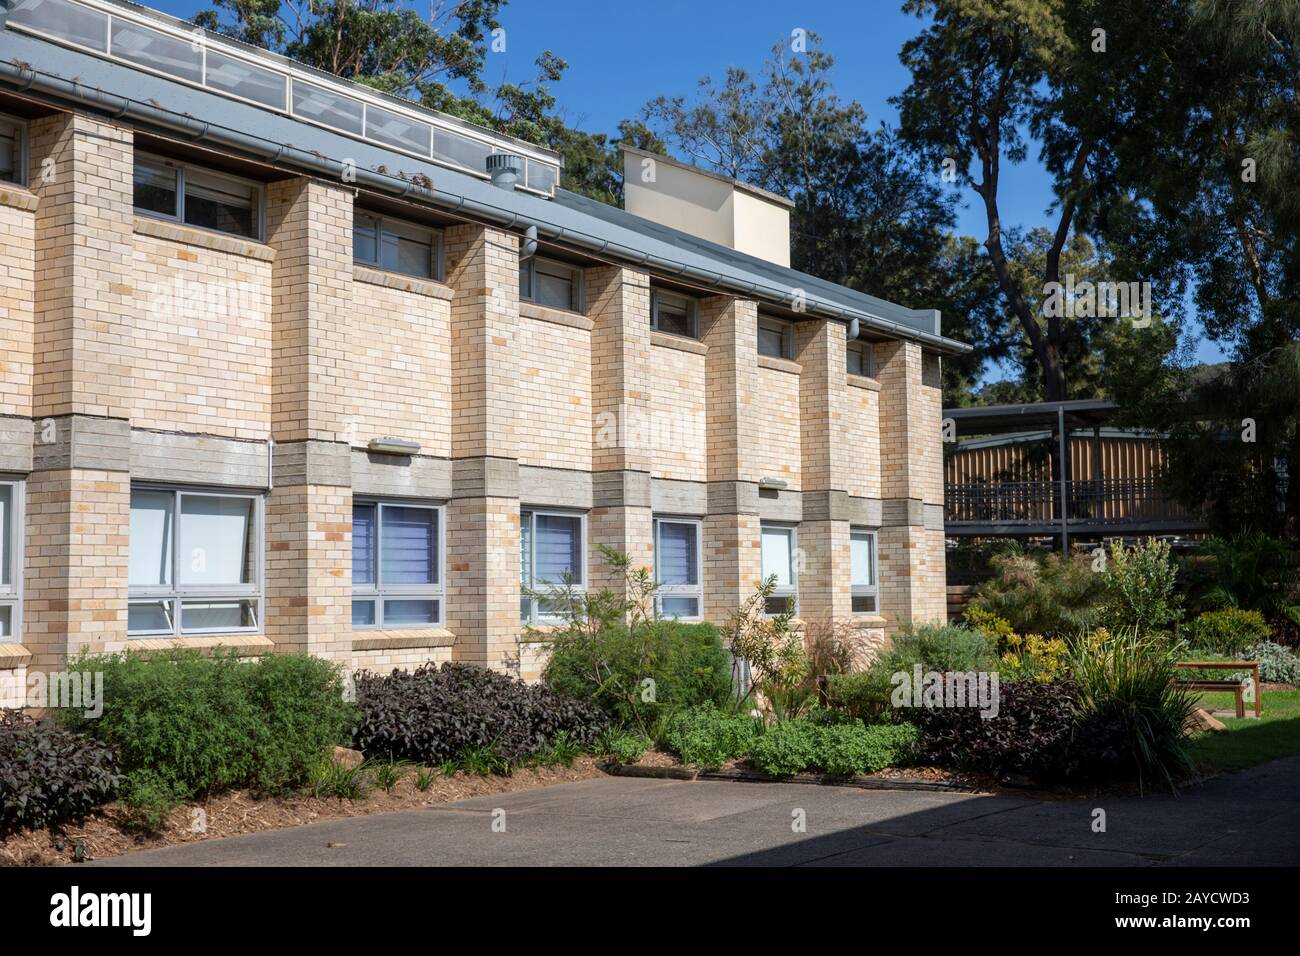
column 101, row 836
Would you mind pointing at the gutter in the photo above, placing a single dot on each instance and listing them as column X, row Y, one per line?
column 23, row 78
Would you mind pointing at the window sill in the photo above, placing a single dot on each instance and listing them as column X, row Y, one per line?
column 681, row 343
column 17, row 197
column 542, row 313
column 242, row 643
column 203, row 238
column 403, row 283
column 870, row 620
column 861, row 381
column 382, row 639
column 779, row 364
column 13, row 655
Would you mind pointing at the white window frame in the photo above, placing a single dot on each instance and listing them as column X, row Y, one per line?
column 528, row 267
column 868, row 352
column 180, row 169
column 781, row 591
column 784, row 329
column 11, row 594
column 177, row 595
column 19, row 129
column 695, row 590
column 404, row 229
column 692, row 307
column 379, row 592
column 535, row 616
column 871, row 590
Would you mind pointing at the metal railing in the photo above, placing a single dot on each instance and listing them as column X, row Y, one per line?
column 1109, row 500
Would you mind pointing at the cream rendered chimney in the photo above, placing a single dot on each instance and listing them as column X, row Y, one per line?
column 707, row 205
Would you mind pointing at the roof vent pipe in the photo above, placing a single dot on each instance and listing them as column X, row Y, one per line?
column 505, row 169
column 528, row 248
column 853, row 329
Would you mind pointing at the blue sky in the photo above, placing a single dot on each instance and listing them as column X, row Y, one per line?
column 621, row 55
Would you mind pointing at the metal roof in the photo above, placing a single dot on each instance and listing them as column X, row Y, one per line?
column 1006, row 419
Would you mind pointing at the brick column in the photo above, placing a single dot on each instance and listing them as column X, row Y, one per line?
column 732, row 557
column 78, row 498
column 911, row 545
column 825, row 562
column 483, row 516
column 309, row 511
column 619, row 306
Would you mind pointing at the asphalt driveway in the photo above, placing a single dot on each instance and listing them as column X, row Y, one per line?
column 1247, row 818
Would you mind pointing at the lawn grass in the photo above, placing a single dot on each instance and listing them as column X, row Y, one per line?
column 1249, row 741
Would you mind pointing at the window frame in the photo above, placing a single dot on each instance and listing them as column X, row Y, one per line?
column 534, row 616
column 657, row 296
column 11, row 594
column 871, row 590
column 433, row 233
column 695, row 590
column 21, row 158
column 781, row 591
column 379, row 593
column 782, row 327
column 529, row 266
column 868, row 352
column 180, row 169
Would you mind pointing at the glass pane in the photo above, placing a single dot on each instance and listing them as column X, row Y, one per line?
column 397, row 130
column 410, row 612
column 860, row 549
column 776, row 555
column 771, row 342
column 221, row 204
column 62, row 19
column 525, row 609
column 158, row 51
column 673, row 316
column 864, row 604
column 554, row 290
column 525, row 281
column 461, row 150
column 526, row 549
column 677, row 561
column 217, row 535
column 149, row 617
column 6, row 621
column 409, row 540
column 323, row 106
column 365, row 239
column 777, row 604
column 363, row 613
column 155, row 187
column 244, row 79
column 407, row 256
column 363, row 545
column 855, row 365
column 218, row 615
column 150, row 543
column 558, row 548
column 542, row 176
column 6, row 533
column 680, row 607
column 9, row 152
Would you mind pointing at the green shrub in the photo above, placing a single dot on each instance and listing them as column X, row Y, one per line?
column 1139, row 587
column 1127, row 677
column 795, row 746
column 1277, row 664
column 186, row 724
column 686, row 662
column 1229, row 631
column 947, row 647
column 48, row 776
column 708, row 737
column 863, row 695
column 625, row 747
column 1053, row 595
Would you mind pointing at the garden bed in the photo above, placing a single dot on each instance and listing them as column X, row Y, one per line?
column 103, row 834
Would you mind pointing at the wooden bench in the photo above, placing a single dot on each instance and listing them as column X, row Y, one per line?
column 1237, row 687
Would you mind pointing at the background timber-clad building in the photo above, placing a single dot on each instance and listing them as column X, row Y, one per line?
column 290, row 364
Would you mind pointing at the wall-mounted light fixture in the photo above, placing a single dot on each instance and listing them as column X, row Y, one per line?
column 394, row 446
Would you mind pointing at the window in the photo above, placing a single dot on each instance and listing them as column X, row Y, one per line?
column 195, row 562
column 778, row 548
column 862, row 547
column 552, row 553
column 555, row 285
column 13, row 150
column 197, row 197
column 11, row 558
column 675, row 314
column 861, row 359
column 396, row 246
column 396, row 564
column 677, row 568
column 775, row 338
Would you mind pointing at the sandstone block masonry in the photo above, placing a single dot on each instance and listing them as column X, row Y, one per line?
column 161, row 380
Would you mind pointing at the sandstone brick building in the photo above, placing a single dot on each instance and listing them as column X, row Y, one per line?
column 289, row 364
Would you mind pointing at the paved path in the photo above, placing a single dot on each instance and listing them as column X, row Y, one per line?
column 1248, row 818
